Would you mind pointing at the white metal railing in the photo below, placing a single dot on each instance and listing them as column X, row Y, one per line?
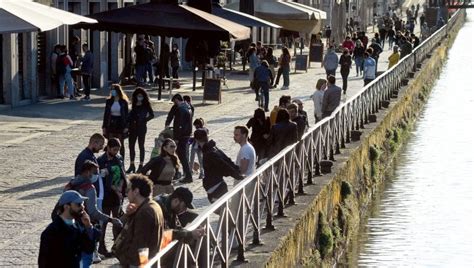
column 253, row 203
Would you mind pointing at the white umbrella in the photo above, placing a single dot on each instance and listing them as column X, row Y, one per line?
column 18, row 16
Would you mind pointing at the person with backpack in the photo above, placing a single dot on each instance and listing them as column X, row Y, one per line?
column 216, row 165
column 114, row 184
column 84, row 184
column 64, row 65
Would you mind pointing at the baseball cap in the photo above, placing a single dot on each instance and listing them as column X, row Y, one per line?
column 185, row 195
column 71, row 196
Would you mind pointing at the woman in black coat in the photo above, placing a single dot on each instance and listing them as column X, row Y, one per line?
column 260, row 125
column 138, row 117
column 115, row 122
column 346, row 63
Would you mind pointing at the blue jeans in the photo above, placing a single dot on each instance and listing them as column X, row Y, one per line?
column 286, row 76
column 331, row 72
column 140, row 71
column 196, row 151
column 149, row 70
column 66, row 79
column 359, row 61
column 264, row 87
column 86, row 260
column 182, row 152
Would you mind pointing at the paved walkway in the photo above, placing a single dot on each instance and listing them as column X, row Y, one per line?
column 39, row 143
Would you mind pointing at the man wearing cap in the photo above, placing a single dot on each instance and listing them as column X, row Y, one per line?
column 65, row 238
column 175, row 208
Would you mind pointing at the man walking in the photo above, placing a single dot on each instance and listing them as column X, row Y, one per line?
column 86, row 70
column 180, row 114
column 144, row 223
column 65, row 238
column 216, row 165
column 330, row 61
column 332, row 97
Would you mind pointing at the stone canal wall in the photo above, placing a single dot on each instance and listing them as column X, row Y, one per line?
column 323, row 225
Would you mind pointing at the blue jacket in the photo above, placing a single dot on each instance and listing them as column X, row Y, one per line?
column 331, row 61
column 86, row 154
column 262, row 74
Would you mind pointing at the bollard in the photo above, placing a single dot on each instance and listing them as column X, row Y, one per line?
column 428, row 56
column 405, row 82
column 418, row 66
column 411, row 74
column 355, row 135
column 326, row 166
column 372, row 118
column 385, row 104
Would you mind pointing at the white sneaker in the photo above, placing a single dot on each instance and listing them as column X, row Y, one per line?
column 95, row 257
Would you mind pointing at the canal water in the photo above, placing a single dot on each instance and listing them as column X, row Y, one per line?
column 424, row 215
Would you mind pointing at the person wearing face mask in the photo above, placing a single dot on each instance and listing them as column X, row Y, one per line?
column 138, row 117
column 115, row 124
column 163, row 168
column 114, row 180
column 84, row 184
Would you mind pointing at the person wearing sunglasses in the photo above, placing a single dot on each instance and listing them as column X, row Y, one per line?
column 163, row 168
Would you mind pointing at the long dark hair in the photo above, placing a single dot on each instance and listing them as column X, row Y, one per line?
column 164, row 153
column 259, row 114
column 146, row 98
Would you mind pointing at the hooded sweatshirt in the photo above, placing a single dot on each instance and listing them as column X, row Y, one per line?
column 217, row 165
column 91, row 203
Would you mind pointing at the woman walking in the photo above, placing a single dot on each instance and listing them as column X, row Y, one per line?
column 317, row 98
column 114, row 124
column 272, row 62
column 346, row 63
column 285, row 68
column 359, row 57
column 140, row 114
column 163, row 168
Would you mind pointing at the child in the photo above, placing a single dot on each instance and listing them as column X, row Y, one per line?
column 195, row 150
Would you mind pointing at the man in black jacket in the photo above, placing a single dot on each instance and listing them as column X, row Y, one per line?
column 180, row 114
column 216, row 165
column 65, row 238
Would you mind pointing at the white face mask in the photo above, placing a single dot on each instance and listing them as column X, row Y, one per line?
column 140, row 98
column 94, row 178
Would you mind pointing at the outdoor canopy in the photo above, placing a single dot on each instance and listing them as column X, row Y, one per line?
column 17, row 16
column 167, row 19
column 240, row 17
column 289, row 15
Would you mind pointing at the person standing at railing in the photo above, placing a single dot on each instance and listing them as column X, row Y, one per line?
column 405, row 48
column 144, row 223
column 394, row 58
column 282, row 134
column 332, row 97
column 297, row 118
column 260, row 125
column 317, row 98
column 216, row 165
column 369, row 68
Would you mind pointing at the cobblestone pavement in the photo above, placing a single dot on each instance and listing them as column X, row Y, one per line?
column 39, row 143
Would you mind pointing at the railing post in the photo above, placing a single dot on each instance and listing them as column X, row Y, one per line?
column 225, row 235
column 256, row 213
column 270, row 202
column 241, row 222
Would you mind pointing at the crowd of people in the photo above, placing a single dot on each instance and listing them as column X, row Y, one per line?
column 156, row 211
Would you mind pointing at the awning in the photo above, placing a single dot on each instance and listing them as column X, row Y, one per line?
column 18, row 16
column 164, row 19
column 289, row 15
column 240, row 17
